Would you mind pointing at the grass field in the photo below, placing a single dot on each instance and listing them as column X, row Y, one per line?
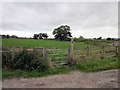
column 40, row 43
column 58, row 54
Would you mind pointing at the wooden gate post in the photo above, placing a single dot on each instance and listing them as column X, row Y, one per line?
column 70, row 53
column 45, row 56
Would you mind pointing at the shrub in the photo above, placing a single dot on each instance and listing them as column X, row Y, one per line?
column 7, row 59
column 67, row 39
column 26, row 60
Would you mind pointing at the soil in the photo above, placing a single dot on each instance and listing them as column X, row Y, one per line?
column 75, row 79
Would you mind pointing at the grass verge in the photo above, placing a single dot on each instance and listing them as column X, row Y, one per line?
column 7, row 74
column 85, row 66
column 98, row 65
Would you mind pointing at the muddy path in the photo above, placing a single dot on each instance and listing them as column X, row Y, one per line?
column 75, row 79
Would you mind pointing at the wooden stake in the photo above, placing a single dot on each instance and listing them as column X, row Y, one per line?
column 13, row 52
column 70, row 53
column 88, row 51
column 103, row 52
column 43, row 52
column 116, row 50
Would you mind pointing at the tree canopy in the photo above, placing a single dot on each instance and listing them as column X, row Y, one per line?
column 62, row 32
column 40, row 36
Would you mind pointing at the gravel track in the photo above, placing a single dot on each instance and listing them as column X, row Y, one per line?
column 75, row 79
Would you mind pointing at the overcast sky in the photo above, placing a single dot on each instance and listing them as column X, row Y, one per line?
column 89, row 19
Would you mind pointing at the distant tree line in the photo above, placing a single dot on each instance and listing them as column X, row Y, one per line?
column 62, row 32
column 100, row 38
column 8, row 36
column 112, row 38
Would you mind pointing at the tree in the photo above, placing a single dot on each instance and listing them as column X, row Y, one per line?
column 3, row 36
column 81, row 36
column 35, row 36
column 14, row 36
column 99, row 38
column 62, row 32
column 108, row 38
column 40, row 36
column 45, row 35
column 7, row 36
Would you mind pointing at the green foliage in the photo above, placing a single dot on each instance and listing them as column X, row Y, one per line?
column 67, row 39
column 85, row 66
column 7, row 60
column 80, row 40
column 98, row 65
column 25, row 60
column 62, row 32
column 31, row 64
column 27, row 74
column 92, row 42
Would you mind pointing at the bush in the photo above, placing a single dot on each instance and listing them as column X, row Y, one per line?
column 7, row 60
column 26, row 60
column 67, row 39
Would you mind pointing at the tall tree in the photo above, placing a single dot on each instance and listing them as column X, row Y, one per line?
column 45, row 35
column 62, row 32
column 35, row 36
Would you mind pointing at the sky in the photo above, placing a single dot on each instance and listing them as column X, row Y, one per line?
column 88, row 19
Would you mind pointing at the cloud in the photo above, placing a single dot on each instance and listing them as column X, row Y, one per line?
column 84, row 18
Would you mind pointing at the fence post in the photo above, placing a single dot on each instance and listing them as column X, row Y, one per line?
column 103, row 52
column 70, row 53
column 13, row 49
column 69, row 59
column 88, row 51
column 45, row 56
column 116, row 51
column 43, row 52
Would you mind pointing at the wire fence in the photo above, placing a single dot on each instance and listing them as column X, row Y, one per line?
column 60, row 57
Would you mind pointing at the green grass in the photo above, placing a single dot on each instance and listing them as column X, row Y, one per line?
column 59, row 55
column 25, row 74
column 41, row 43
column 35, row 43
column 85, row 66
column 98, row 65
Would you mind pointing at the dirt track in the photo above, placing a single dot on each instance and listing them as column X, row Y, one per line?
column 76, row 79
